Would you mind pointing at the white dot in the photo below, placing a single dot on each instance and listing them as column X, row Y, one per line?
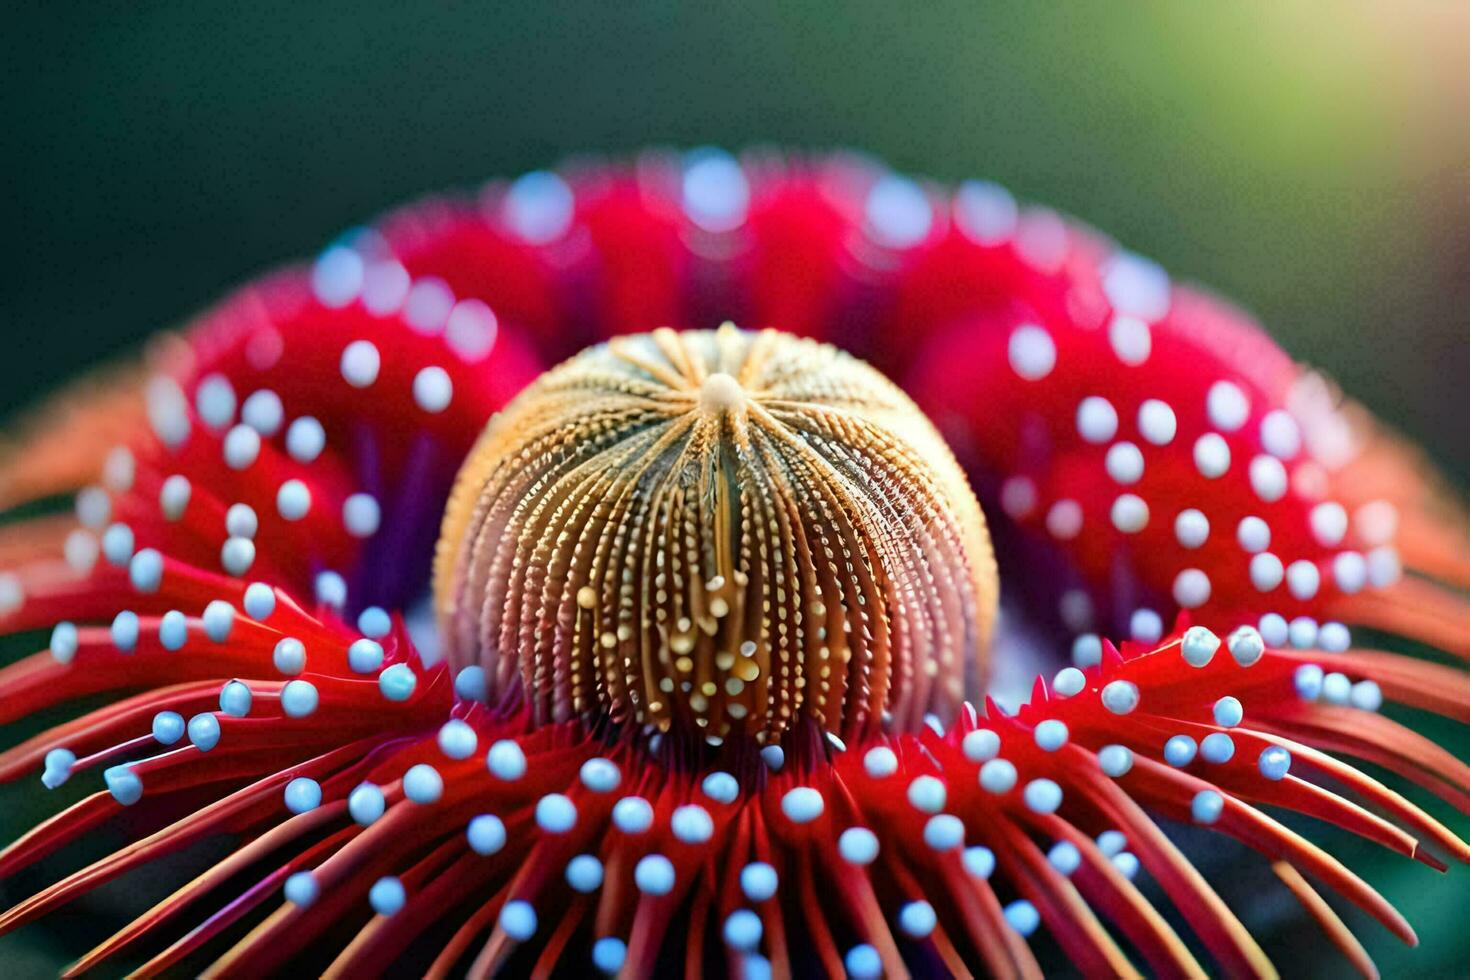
column 1191, row 588
column 457, row 740
column 1115, row 760
column 1042, row 796
column 427, row 305
column 556, row 813
column 1274, row 630
column 119, row 469
column 654, row 875
column 117, row 544
column 1268, row 478
column 305, row 439
column 263, row 412
column 385, row 287
column 303, row 795
column 1087, row 650
column 802, row 804
column 997, row 776
column 897, row 212
column 299, row 699
column 1130, row 513
column 1120, row 697
column 742, row 930
column 721, row 787
column 584, row 873
column 1211, row 455
column 1280, row 435
column 81, row 551
column 1130, row 339
column 1206, row 806
column 1022, row 916
column 716, row 194
column 1064, row 520
column 1124, row 463
column 1376, row 522
column 538, row 207
column 609, row 953
column 1191, row 528
column 361, row 515
column 880, row 762
column 917, row 919
column 1228, row 712
column 691, row 824
column 145, row 570
column 1156, row 422
column 1227, row 406
column 980, row 745
column 863, row 963
column 518, row 920
column 331, row 589
column 1302, row 633
column 1180, row 750
column 1032, row 353
column 1097, row 420
column 471, row 329
column 1051, row 734
column 433, row 389
column 1246, row 645
column 301, row 889
column 1136, row 285
column 1366, row 696
column 858, row 845
column 927, row 794
column 219, row 620
column 506, row 761
column 361, row 363
column 1308, row 681
column 1334, row 637
column 1069, row 682
column 1018, row 497
column 64, row 642
column 1303, row 579
column 1329, row 524
column 486, row 834
column 241, row 521
column 1064, row 857
column 1384, row 568
column 336, row 278
column 173, row 498
column 1198, row 646
column 1253, row 534
column 1275, row 762
column 985, row 212
column 214, row 400
column 237, row 555
column 632, row 815
column 758, row 881
column 293, row 500
column 1145, row 626
column 1266, row 571
column 979, row 861
column 944, row 832
column 242, row 447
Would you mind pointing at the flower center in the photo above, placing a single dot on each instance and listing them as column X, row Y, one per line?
column 717, row 532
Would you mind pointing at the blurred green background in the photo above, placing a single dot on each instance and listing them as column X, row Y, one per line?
column 1310, row 160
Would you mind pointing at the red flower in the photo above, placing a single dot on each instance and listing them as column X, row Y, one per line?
column 247, row 579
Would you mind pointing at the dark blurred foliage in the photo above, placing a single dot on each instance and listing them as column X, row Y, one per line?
column 1309, row 160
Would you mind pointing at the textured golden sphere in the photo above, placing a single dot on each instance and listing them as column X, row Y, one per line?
column 717, row 532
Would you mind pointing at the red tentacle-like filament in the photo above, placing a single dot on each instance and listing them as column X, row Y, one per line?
column 242, row 589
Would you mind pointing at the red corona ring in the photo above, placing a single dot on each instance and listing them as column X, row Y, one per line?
column 588, row 575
